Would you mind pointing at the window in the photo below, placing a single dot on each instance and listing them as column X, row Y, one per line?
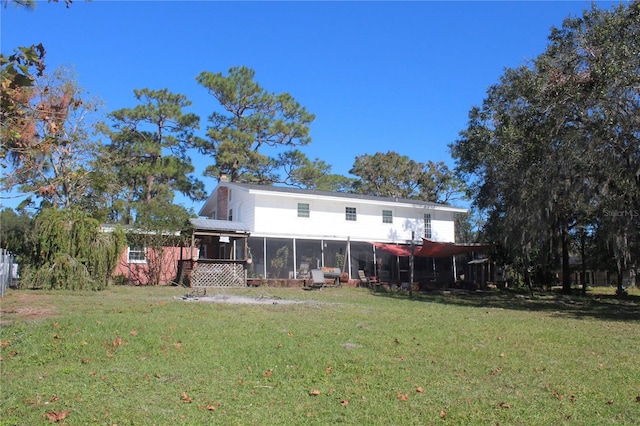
column 230, row 215
column 350, row 213
column 137, row 255
column 427, row 225
column 303, row 210
column 387, row 216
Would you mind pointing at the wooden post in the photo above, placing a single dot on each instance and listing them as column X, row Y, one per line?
column 347, row 260
column 411, row 266
column 455, row 272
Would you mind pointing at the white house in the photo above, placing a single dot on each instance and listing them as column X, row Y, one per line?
column 292, row 230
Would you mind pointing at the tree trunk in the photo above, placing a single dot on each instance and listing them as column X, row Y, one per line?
column 566, row 271
column 620, row 289
column 584, row 264
column 527, row 272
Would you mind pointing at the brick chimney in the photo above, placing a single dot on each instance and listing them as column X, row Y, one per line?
column 223, row 203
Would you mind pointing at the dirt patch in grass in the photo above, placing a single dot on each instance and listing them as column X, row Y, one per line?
column 241, row 300
column 26, row 306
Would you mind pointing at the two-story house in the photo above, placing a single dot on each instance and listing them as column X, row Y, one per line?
column 291, row 231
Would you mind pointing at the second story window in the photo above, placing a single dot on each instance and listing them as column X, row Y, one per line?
column 303, row 210
column 427, row 225
column 387, row 216
column 230, row 215
column 350, row 213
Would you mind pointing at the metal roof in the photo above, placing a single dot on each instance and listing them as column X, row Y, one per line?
column 291, row 190
column 220, row 225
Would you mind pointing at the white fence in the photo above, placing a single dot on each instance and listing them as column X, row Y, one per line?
column 212, row 274
column 8, row 270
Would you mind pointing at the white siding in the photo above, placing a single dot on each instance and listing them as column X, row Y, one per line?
column 278, row 216
column 275, row 214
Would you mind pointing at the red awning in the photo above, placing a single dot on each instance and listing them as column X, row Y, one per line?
column 434, row 249
column 431, row 248
column 397, row 249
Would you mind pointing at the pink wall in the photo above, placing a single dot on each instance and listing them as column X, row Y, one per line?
column 143, row 273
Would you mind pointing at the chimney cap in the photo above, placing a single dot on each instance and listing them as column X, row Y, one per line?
column 223, row 178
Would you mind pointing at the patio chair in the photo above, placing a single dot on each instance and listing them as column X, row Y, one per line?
column 303, row 272
column 369, row 282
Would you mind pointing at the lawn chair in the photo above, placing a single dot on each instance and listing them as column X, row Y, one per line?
column 303, row 272
column 369, row 282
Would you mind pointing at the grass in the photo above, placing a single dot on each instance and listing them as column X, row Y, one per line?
column 143, row 356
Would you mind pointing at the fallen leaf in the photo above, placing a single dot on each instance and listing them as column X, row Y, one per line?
column 638, row 398
column 213, row 406
column 56, row 336
column 502, row 354
column 572, row 398
column 133, row 332
column 419, row 389
column 178, row 345
column 403, row 396
column 290, row 334
column 344, row 402
column 610, row 402
column 5, row 343
column 57, row 416
column 396, row 341
column 314, row 392
column 504, row 405
column 118, row 341
column 328, row 370
column 84, row 361
column 443, row 414
column 186, row 398
column 267, row 373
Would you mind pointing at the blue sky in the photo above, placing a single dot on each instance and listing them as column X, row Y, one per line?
column 379, row 76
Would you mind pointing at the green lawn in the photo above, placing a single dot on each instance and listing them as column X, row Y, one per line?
column 142, row 356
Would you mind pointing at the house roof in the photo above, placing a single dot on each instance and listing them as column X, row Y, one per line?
column 219, row 225
column 291, row 190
